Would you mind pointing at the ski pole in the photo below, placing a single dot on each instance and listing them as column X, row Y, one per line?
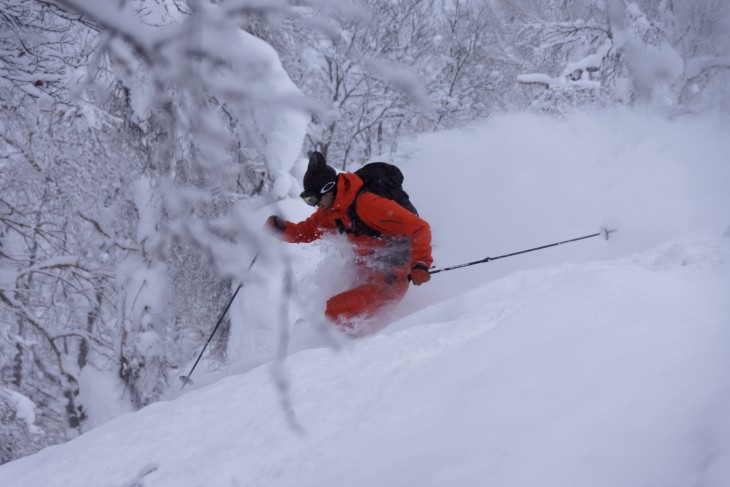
column 605, row 232
column 186, row 378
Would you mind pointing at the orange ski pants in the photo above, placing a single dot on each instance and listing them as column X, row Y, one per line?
column 377, row 289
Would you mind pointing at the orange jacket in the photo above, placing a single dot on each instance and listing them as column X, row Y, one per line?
column 400, row 228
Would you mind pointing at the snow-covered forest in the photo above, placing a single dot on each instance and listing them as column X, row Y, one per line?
column 144, row 141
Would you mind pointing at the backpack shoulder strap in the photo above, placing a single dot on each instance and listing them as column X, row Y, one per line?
column 357, row 225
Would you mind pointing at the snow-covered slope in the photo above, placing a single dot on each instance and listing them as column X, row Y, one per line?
column 597, row 364
column 603, row 374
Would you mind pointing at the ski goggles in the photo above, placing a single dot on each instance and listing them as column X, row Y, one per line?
column 312, row 199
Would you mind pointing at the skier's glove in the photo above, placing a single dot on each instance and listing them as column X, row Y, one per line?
column 276, row 223
column 419, row 274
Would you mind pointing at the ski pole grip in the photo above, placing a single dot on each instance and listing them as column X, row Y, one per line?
column 419, row 266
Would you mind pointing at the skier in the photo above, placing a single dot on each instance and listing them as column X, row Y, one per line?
column 392, row 245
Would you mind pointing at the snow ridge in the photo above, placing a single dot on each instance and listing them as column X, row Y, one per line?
column 603, row 373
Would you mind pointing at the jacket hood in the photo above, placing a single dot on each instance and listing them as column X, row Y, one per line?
column 348, row 184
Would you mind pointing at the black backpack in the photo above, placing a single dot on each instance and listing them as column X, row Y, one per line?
column 385, row 180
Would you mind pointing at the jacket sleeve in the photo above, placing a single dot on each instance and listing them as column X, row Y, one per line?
column 389, row 218
column 307, row 231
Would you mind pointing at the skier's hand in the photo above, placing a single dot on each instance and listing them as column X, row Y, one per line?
column 276, row 223
column 419, row 274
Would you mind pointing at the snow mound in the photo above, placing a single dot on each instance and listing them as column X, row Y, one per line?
column 602, row 373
